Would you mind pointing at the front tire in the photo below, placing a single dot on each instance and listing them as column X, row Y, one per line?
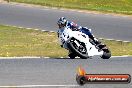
column 71, row 46
column 72, row 55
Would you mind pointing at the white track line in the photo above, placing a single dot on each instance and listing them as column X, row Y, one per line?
column 31, row 86
column 28, row 57
column 121, row 56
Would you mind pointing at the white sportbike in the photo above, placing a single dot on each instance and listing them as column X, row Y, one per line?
column 79, row 44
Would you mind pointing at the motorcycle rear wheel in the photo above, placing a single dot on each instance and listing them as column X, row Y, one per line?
column 106, row 54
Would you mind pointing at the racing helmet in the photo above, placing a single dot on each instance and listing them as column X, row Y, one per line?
column 62, row 22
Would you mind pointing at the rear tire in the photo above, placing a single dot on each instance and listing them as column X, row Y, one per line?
column 106, row 54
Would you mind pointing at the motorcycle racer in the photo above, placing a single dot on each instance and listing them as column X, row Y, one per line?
column 63, row 22
column 77, row 48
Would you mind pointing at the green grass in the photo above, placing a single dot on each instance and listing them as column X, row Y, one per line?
column 119, row 48
column 24, row 42
column 112, row 6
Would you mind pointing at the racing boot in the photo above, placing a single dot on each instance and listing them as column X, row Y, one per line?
column 98, row 44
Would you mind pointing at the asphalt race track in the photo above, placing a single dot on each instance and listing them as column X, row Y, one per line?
column 56, row 72
column 60, row 72
column 105, row 26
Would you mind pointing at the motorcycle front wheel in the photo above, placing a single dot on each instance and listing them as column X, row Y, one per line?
column 79, row 50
